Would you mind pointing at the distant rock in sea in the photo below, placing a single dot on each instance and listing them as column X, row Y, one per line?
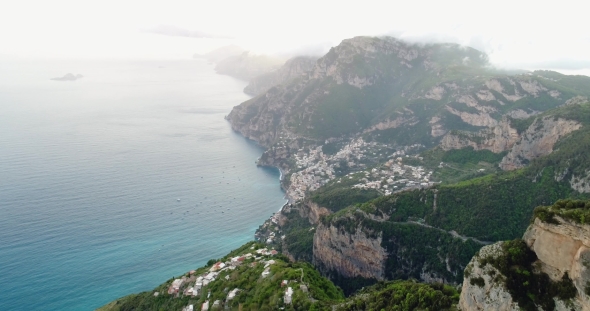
column 68, row 77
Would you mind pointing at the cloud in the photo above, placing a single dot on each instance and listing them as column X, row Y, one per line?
column 565, row 64
column 173, row 31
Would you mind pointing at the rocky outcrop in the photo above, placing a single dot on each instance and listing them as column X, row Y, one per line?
column 488, row 296
column 576, row 100
column 293, row 68
column 485, row 95
column 497, row 139
column 435, row 93
column 581, row 183
column 391, row 124
column 522, row 114
column 533, row 87
column 473, row 103
column 538, row 140
column 475, row 119
column 561, row 248
column 496, row 85
column 436, row 128
column 313, row 211
column 349, row 254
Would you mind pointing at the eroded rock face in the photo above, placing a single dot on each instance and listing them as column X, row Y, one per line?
column 436, row 129
column 349, row 254
column 538, row 140
column 521, row 114
column 560, row 248
column 495, row 85
column 479, row 119
column 492, row 295
column 497, row 139
column 581, row 183
column 435, row 93
column 390, row 124
column 313, row 211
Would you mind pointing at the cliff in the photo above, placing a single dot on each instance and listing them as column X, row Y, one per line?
column 486, row 295
column 497, row 139
column 538, row 140
column 350, row 254
column 373, row 243
column 548, row 269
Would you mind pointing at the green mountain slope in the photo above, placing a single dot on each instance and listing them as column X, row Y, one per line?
column 365, row 81
column 253, row 281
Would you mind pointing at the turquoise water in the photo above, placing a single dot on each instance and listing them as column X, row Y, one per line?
column 91, row 172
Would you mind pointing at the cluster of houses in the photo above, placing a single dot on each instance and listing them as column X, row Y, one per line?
column 314, row 172
column 315, row 169
column 395, row 176
column 201, row 281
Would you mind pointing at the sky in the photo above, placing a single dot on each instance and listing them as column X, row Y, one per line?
column 515, row 34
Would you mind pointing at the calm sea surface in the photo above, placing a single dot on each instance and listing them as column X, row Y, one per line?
column 91, row 172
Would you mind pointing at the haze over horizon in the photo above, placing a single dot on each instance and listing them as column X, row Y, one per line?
column 524, row 34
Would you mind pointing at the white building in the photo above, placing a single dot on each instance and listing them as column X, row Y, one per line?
column 289, row 295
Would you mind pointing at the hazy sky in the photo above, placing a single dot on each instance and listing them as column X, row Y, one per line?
column 524, row 34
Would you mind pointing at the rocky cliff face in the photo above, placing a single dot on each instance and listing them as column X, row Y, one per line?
column 313, row 211
column 561, row 248
column 538, row 140
column 496, row 139
column 492, row 295
column 350, row 254
column 294, row 68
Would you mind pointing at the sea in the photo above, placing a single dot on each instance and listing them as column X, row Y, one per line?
column 118, row 181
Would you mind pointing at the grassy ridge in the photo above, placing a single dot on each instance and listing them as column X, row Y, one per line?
column 256, row 292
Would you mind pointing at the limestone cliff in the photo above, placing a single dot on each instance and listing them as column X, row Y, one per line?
column 560, row 248
column 491, row 295
column 538, row 140
column 496, row 139
column 350, row 254
column 563, row 247
column 313, row 211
